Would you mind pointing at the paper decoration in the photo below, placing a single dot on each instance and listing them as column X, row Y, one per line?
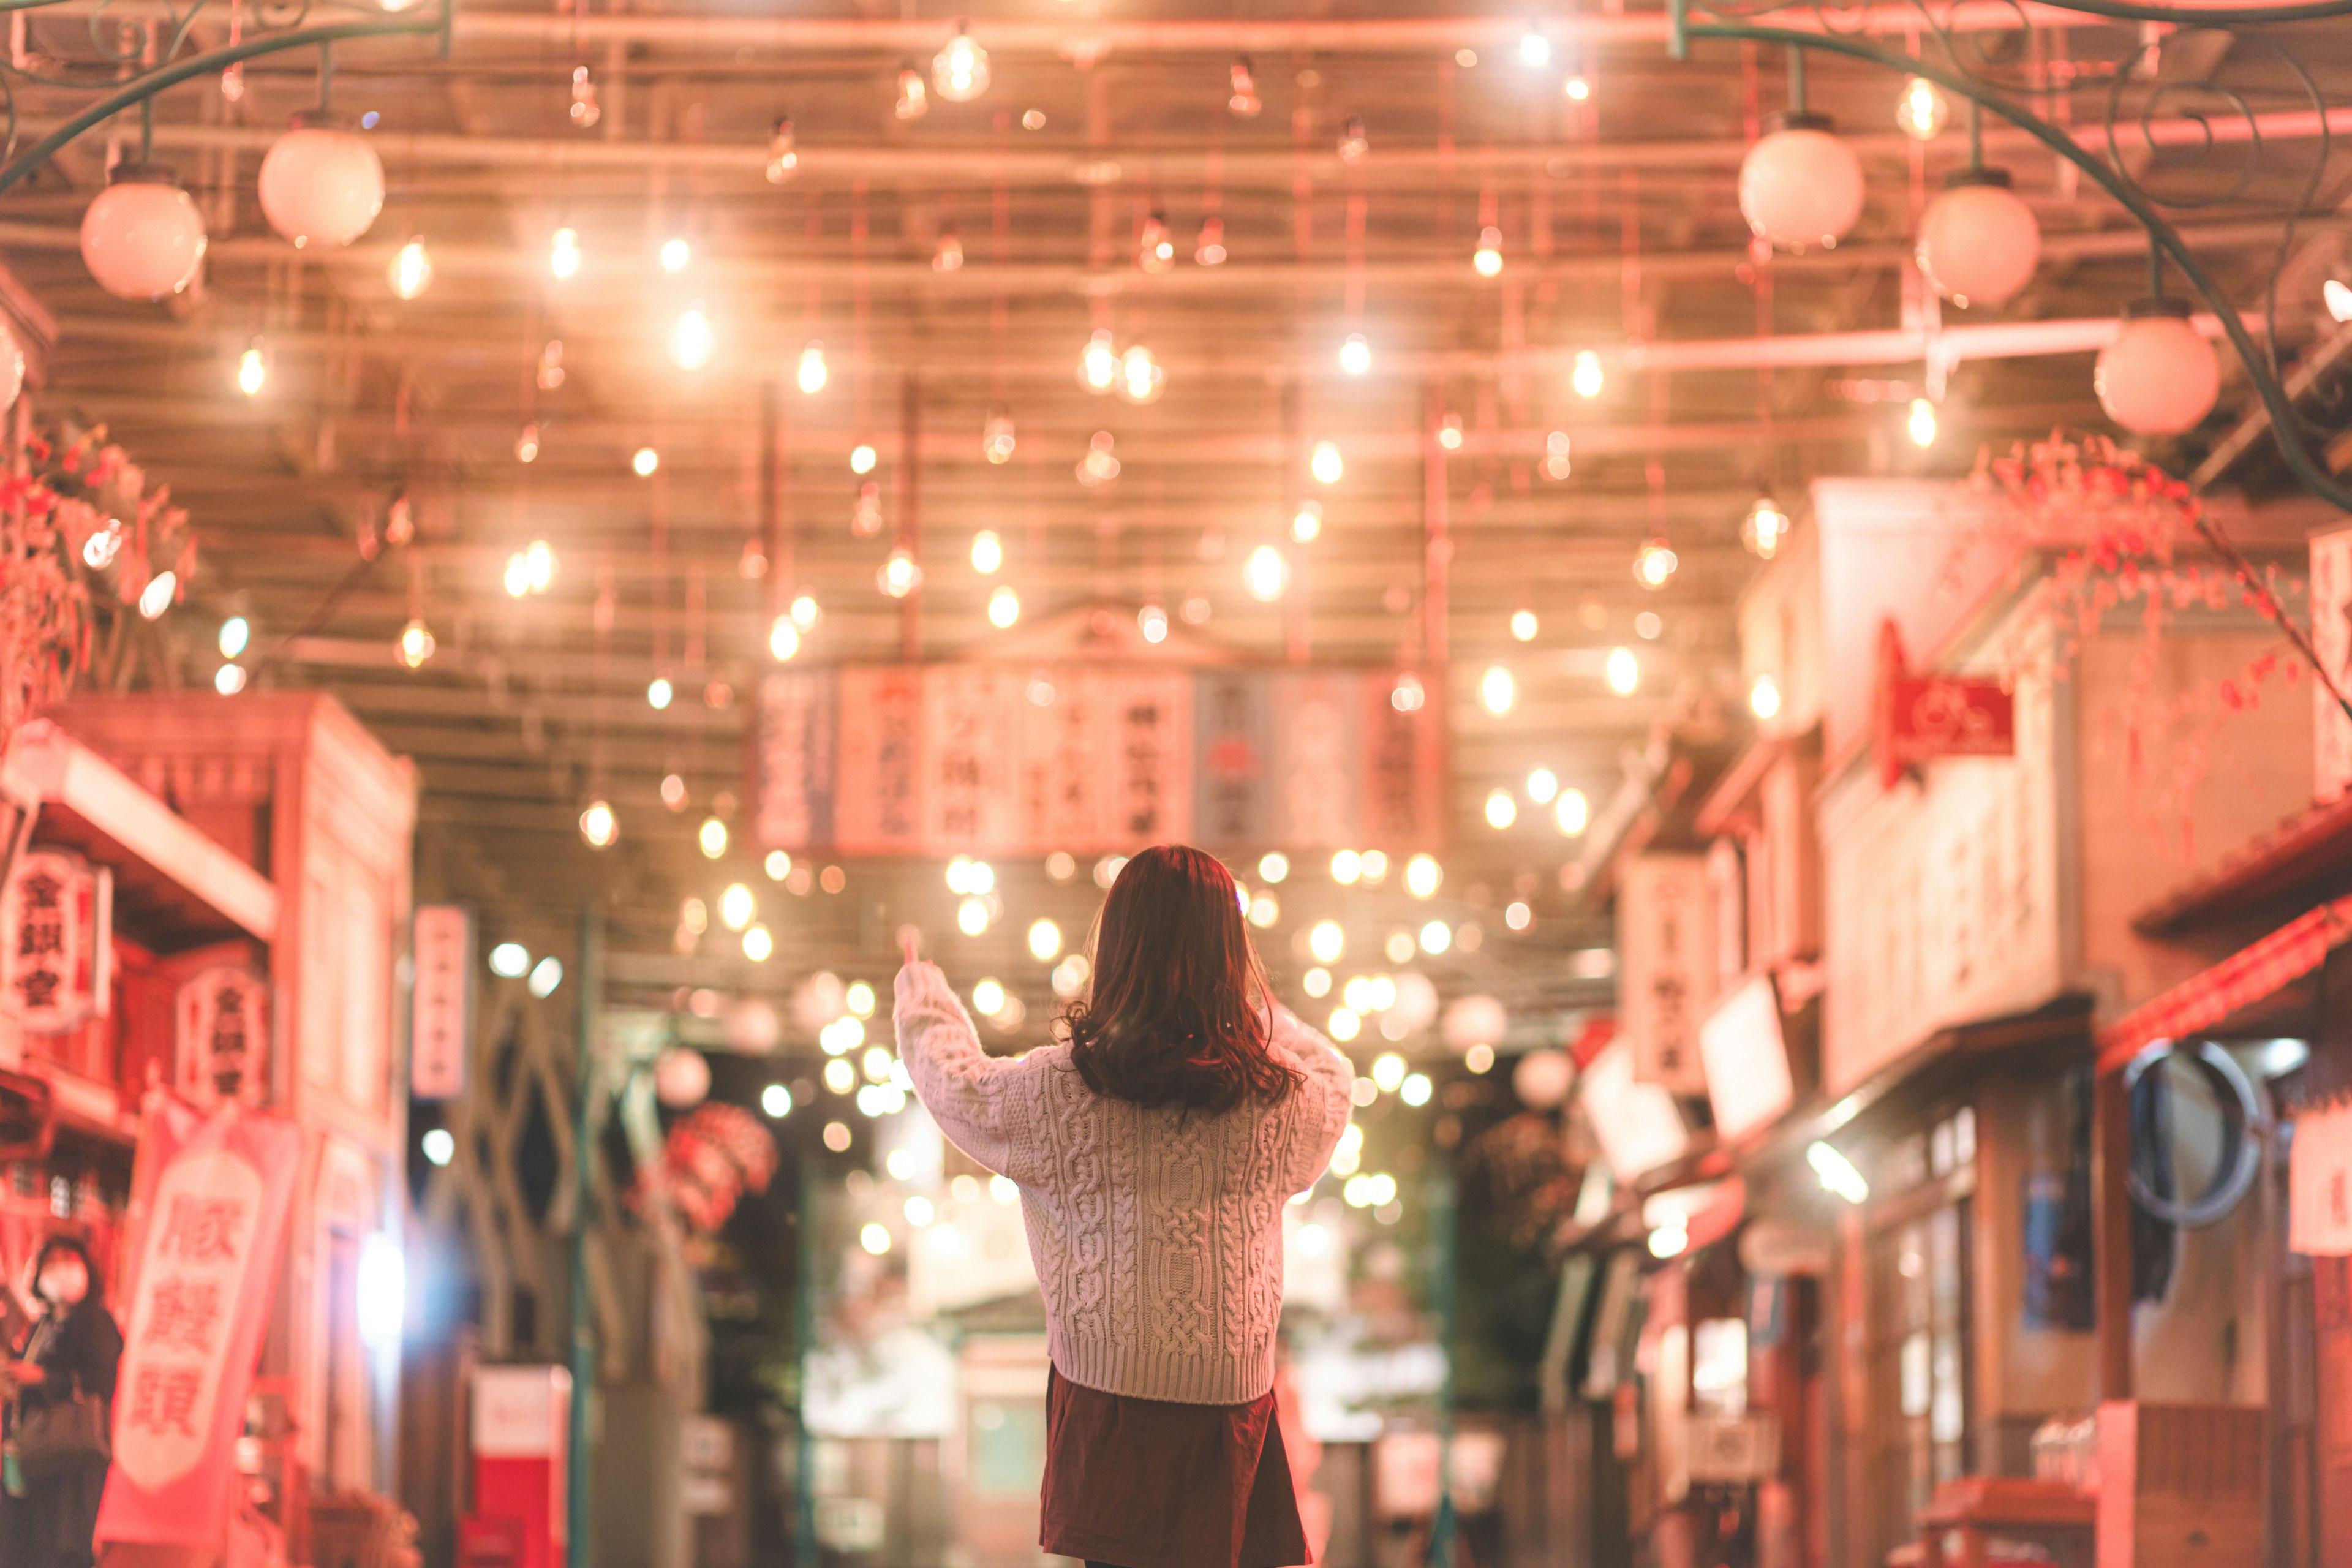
column 1746, row 1060
column 54, row 923
column 441, row 1013
column 2331, row 639
column 1637, row 1125
column 221, row 1048
column 207, row 1271
column 986, row 759
column 1666, row 938
column 2319, row 1183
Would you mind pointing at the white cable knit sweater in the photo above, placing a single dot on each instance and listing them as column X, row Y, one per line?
column 1157, row 1236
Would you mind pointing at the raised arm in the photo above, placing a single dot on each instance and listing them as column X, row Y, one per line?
column 1330, row 1079
column 977, row 1099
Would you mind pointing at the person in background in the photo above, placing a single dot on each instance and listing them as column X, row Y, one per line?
column 1155, row 1149
column 72, row 1352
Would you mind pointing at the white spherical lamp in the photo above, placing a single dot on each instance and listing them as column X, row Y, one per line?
column 2157, row 376
column 1979, row 244
column 1799, row 185
column 1476, row 1020
column 141, row 237
column 681, row 1077
column 321, row 183
column 1543, row 1079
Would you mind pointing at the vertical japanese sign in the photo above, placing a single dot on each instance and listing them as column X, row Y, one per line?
column 210, row 1246
column 1317, row 760
column 1065, row 788
column 53, row 922
column 1666, row 938
column 2319, row 1184
column 441, row 1013
column 794, row 759
column 222, row 1044
column 1233, row 759
column 1403, row 793
column 2331, row 639
column 1151, row 758
column 879, row 808
column 971, row 729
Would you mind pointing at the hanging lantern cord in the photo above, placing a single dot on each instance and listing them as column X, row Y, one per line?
column 1796, row 80
column 146, row 129
column 326, row 77
column 1976, row 136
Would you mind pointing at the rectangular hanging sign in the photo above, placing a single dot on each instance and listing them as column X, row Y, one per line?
column 999, row 759
column 441, row 1013
column 2319, row 1183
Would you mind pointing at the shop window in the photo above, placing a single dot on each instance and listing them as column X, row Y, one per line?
column 1918, row 1359
column 1719, row 1368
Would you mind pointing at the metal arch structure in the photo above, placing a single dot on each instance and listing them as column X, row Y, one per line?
column 2165, row 242
column 169, row 71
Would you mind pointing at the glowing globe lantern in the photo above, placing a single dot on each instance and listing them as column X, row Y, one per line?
column 2157, row 376
column 143, row 237
column 1799, row 185
column 321, row 183
column 1977, row 243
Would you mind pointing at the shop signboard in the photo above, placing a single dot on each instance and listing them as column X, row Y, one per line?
column 2331, row 639
column 1922, row 717
column 1637, row 1124
column 2319, row 1183
column 441, row 1013
column 1001, row 759
column 221, row 1044
column 55, row 923
column 522, row 1439
column 1665, row 942
column 215, row 1192
column 1748, row 1077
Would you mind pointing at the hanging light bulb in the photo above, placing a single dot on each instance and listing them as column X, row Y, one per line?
column 1449, row 432
column 899, row 573
column 674, row 255
column 2336, row 297
column 1099, row 466
column 157, row 595
column 948, row 256
column 784, row 638
column 1584, row 373
column 598, row 824
column 1920, row 422
column 1308, row 522
column 805, row 612
column 1622, row 670
column 1356, row 355
column 812, row 369
column 862, row 458
column 1265, row 574
column 1535, row 49
column 550, row 365
column 1353, row 144
column 867, row 521
column 1655, row 563
column 1921, row 109
column 539, row 565
column 563, row 252
column 658, row 693
column 712, row 838
column 783, row 153
column 1210, row 250
column 1524, row 625
column 1799, row 185
column 236, row 637
column 1244, row 103
column 1556, row 465
column 1488, row 259
column 1577, row 88
column 415, row 645
column 411, row 272
column 1004, row 605
column 585, row 111
column 1152, row 622
column 143, row 237
column 1326, row 464
column 692, row 341
column 960, row 69
column 645, row 461
column 996, row 439
column 321, row 182
column 1497, row 689
column 1764, row 697
column 1141, row 377
column 1763, row 529
column 1155, row 249
column 1407, row 695
column 1099, row 362
column 517, row 576
column 987, row 552
column 527, row 445
column 914, row 102
column 252, row 370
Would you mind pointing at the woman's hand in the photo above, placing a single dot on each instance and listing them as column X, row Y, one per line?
column 27, row 1375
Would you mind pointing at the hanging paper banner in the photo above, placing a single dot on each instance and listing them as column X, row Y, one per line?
column 212, row 1233
column 441, row 1013
column 1746, row 1055
column 1665, row 940
column 2319, row 1183
column 222, row 1045
column 53, row 922
column 2331, row 640
column 1637, row 1125
column 962, row 759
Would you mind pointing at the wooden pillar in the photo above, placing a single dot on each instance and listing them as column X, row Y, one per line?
column 2111, row 1228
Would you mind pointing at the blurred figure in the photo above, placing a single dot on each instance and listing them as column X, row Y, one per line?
column 60, row 1390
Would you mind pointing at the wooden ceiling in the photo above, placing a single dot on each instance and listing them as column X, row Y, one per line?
column 1619, row 225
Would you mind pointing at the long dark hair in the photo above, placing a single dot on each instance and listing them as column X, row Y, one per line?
column 1179, row 1013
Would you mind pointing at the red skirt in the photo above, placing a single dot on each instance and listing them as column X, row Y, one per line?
column 1143, row 1483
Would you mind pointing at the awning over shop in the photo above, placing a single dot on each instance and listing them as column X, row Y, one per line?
column 2245, row 977
column 2302, row 856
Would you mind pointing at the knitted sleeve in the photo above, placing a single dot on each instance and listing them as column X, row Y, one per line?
column 980, row 1102
column 1324, row 1098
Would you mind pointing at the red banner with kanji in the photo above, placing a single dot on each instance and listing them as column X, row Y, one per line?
column 215, row 1192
